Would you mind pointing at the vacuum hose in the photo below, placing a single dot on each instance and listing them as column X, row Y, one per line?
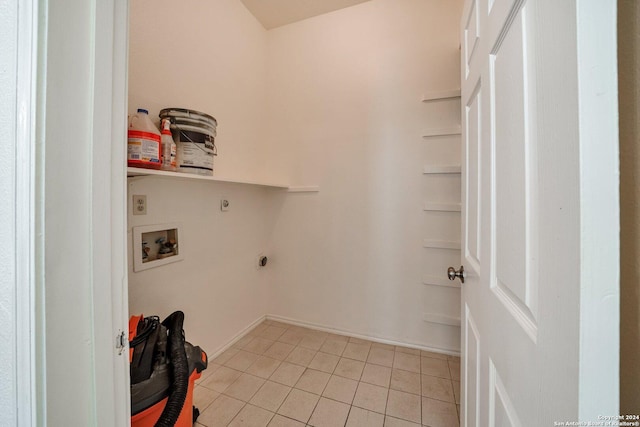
column 180, row 370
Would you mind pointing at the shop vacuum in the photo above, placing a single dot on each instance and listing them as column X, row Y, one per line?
column 163, row 371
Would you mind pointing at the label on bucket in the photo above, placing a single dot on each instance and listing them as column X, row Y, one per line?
column 195, row 158
column 143, row 147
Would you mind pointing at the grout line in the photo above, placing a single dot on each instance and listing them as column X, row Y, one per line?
column 349, row 413
column 236, row 415
column 331, row 374
column 323, row 328
column 421, row 396
column 319, row 397
column 272, row 416
column 283, row 400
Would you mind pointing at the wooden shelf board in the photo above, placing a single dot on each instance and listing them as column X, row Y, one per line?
column 133, row 172
column 440, row 281
column 304, row 189
column 442, row 132
column 440, row 244
column 442, row 207
column 445, row 94
column 445, row 169
column 441, row 319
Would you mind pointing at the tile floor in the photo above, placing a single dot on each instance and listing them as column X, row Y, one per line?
column 280, row 375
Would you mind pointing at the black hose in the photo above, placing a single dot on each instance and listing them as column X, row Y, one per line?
column 180, row 369
column 145, row 328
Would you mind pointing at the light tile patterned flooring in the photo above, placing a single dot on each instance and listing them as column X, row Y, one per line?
column 280, row 375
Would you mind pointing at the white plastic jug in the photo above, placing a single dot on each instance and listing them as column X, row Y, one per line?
column 143, row 142
column 169, row 149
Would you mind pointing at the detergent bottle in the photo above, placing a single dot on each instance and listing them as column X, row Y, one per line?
column 168, row 147
column 143, row 142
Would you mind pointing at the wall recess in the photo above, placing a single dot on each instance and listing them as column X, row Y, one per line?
column 156, row 245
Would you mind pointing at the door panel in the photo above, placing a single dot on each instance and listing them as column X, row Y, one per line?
column 513, row 122
column 501, row 410
column 499, row 16
column 471, row 34
column 472, row 372
column 472, row 215
column 522, row 236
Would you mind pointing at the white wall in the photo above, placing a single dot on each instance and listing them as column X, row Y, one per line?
column 208, row 56
column 345, row 114
column 216, row 285
column 332, row 101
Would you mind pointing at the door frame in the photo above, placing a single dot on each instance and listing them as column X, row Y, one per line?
column 599, row 177
column 109, row 203
column 599, row 208
column 110, row 303
column 107, row 389
column 26, row 226
column 599, row 268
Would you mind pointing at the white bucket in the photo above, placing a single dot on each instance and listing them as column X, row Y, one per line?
column 194, row 134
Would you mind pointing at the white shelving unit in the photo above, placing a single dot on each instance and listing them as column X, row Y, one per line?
column 442, row 169
column 441, row 319
column 304, row 189
column 440, row 244
column 140, row 172
column 438, row 96
column 435, row 283
column 442, row 207
column 440, row 281
column 430, row 133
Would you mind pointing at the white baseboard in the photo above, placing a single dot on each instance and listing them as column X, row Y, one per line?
column 324, row 328
column 236, row 338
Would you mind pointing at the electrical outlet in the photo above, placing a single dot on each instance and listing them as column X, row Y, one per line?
column 139, row 205
column 224, row 205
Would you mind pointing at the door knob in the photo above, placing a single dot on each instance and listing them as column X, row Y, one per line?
column 452, row 273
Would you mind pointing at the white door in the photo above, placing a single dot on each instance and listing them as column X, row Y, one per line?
column 539, row 303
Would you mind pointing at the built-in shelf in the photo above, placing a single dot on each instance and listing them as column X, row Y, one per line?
column 442, row 207
column 304, row 189
column 135, row 172
column 445, row 94
column 442, row 132
column 440, row 281
column 441, row 319
column 440, row 244
column 430, row 169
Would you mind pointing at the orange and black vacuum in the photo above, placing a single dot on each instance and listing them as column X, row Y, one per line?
column 163, row 368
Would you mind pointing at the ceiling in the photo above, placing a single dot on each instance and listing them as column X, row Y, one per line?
column 275, row 13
